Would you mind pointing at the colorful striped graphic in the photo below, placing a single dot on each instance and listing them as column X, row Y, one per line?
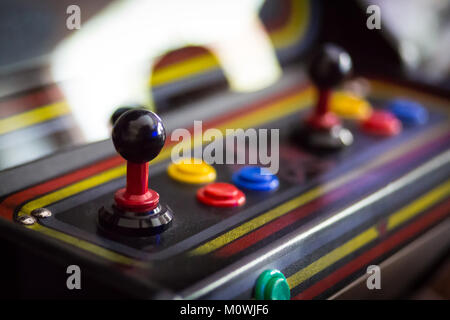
column 369, row 236
column 10, row 204
column 33, row 117
column 283, row 215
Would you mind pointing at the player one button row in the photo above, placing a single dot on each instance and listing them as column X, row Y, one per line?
column 228, row 195
column 196, row 171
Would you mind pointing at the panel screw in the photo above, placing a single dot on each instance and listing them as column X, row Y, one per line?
column 41, row 213
column 26, row 220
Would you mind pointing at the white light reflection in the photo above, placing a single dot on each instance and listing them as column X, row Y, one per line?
column 111, row 56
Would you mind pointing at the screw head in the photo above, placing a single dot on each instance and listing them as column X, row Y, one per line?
column 26, row 220
column 41, row 213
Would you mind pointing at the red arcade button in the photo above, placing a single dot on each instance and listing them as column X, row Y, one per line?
column 221, row 195
column 382, row 123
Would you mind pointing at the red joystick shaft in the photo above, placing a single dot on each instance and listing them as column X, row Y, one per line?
column 137, row 197
column 322, row 118
column 137, row 178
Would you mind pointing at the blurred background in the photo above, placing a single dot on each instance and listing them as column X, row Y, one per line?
column 40, row 112
column 37, row 117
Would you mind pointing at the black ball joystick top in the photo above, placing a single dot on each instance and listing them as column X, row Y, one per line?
column 138, row 135
column 330, row 65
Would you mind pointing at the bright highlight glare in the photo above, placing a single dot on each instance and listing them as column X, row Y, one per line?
column 108, row 61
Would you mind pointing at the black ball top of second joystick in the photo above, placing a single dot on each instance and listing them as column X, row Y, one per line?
column 329, row 66
column 138, row 135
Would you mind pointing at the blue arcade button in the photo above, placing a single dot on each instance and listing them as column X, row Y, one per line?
column 409, row 112
column 255, row 178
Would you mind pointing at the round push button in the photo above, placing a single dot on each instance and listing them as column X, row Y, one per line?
column 194, row 171
column 221, row 195
column 255, row 178
column 272, row 285
column 382, row 123
column 348, row 105
column 409, row 112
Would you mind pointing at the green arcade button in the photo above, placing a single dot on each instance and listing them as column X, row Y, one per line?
column 272, row 285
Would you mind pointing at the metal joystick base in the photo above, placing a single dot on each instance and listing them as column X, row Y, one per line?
column 119, row 222
column 323, row 140
column 334, row 138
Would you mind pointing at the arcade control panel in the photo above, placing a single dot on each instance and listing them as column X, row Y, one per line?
column 359, row 179
column 363, row 179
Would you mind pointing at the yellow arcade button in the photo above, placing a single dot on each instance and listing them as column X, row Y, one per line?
column 348, row 105
column 188, row 171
